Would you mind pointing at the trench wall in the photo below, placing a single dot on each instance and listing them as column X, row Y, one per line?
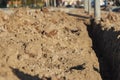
column 107, row 40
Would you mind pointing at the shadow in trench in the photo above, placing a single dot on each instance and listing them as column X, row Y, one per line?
column 104, row 69
column 103, row 49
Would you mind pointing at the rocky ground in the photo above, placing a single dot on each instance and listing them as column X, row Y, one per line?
column 45, row 45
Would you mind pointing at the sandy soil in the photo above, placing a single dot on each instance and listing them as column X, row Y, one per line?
column 37, row 45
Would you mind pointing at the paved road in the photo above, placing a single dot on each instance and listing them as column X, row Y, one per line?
column 7, row 10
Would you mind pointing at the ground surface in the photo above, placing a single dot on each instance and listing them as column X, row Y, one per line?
column 45, row 45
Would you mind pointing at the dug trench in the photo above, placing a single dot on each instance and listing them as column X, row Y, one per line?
column 106, row 44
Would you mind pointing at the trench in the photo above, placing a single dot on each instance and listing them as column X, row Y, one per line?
column 101, row 47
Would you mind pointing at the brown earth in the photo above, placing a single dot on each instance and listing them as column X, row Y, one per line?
column 37, row 45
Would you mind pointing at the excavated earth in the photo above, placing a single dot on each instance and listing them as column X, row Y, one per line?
column 47, row 45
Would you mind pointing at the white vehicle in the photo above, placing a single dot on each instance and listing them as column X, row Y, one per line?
column 102, row 2
column 73, row 2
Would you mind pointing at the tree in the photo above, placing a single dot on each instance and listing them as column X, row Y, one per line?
column 3, row 3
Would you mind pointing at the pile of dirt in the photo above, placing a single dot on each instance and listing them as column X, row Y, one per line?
column 110, row 20
column 37, row 45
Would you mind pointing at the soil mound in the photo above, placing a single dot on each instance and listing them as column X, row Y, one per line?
column 37, row 45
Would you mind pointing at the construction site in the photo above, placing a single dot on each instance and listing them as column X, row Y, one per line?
column 59, row 40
